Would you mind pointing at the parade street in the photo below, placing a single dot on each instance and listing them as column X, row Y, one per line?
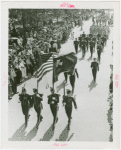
column 89, row 121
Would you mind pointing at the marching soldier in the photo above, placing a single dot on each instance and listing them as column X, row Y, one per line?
column 76, row 43
column 73, row 75
column 87, row 42
column 67, row 102
column 26, row 103
column 99, row 50
column 95, row 67
column 103, row 41
column 83, row 47
column 37, row 98
column 53, row 101
column 83, row 35
column 80, row 42
column 94, row 40
column 90, row 36
column 91, row 47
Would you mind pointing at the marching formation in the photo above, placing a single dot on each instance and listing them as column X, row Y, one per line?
column 28, row 101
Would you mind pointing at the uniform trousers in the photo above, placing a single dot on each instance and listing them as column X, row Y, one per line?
column 68, row 111
column 54, row 110
column 83, row 51
column 91, row 50
column 76, row 49
column 99, row 54
column 25, row 110
column 38, row 110
column 94, row 73
column 72, row 82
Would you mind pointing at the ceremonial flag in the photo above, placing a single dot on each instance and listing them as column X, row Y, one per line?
column 45, row 64
column 62, row 64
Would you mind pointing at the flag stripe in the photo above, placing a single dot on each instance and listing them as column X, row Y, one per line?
column 44, row 65
column 44, row 68
column 47, row 70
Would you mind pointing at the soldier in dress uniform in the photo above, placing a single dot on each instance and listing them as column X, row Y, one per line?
column 90, row 36
column 99, row 50
column 87, row 42
column 53, row 101
column 37, row 98
column 91, row 47
column 80, row 42
column 67, row 102
column 83, row 47
column 94, row 40
column 26, row 104
column 95, row 67
column 83, row 35
column 103, row 41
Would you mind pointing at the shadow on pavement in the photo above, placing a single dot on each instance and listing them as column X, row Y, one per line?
column 60, row 86
column 79, row 51
column 92, row 85
column 89, row 58
column 70, row 137
column 48, row 135
column 31, row 134
column 81, row 59
column 64, row 135
column 19, row 134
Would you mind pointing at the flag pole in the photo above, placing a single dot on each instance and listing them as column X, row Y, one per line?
column 38, row 72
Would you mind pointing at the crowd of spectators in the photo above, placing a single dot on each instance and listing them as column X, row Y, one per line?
column 24, row 51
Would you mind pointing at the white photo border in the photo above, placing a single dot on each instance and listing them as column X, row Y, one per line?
column 4, row 71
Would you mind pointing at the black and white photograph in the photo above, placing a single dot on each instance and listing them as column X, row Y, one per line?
column 60, row 74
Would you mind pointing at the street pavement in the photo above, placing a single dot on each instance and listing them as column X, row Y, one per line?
column 89, row 121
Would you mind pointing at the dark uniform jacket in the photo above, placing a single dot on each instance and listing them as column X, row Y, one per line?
column 25, row 99
column 53, row 99
column 87, row 39
column 83, row 44
column 26, row 102
column 91, row 43
column 37, row 98
column 83, row 35
column 76, row 43
column 69, row 101
column 95, row 66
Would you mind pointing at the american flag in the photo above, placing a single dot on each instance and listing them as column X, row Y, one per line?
column 45, row 65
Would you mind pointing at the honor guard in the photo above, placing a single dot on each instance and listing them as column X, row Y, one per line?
column 53, row 101
column 67, row 102
column 26, row 103
column 37, row 99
